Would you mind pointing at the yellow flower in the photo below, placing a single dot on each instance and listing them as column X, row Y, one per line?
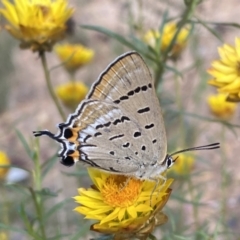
column 169, row 31
column 220, row 107
column 226, row 71
column 38, row 24
column 183, row 165
column 72, row 93
column 4, row 162
column 4, row 236
column 74, row 55
column 123, row 204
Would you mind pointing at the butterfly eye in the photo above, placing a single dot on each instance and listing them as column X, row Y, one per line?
column 68, row 161
column 169, row 162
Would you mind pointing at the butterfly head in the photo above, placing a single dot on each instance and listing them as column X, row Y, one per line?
column 169, row 161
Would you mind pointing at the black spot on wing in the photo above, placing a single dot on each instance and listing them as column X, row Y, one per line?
column 130, row 93
column 67, row 161
column 149, row 126
column 107, row 124
column 99, row 126
column 116, row 136
column 123, row 98
column 117, row 101
column 117, row 121
column 125, row 118
column 137, row 134
column 97, row 134
column 154, row 141
column 68, row 133
column 69, row 152
column 86, row 138
column 126, row 145
column 143, row 148
column 137, row 90
column 143, row 110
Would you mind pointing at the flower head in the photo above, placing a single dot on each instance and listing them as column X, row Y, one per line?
column 226, row 71
column 4, row 163
column 169, row 30
column 72, row 93
column 74, row 55
column 123, row 204
column 220, row 107
column 38, row 24
column 183, row 165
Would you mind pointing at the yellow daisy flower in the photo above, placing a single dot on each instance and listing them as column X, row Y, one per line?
column 71, row 93
column 122, row 204
column 226, row 71
column 4, row 162
column 169, row 31
column 183, row 165
column 4, row 236
column 74, row 55
column 38, row 24
column 220, row 107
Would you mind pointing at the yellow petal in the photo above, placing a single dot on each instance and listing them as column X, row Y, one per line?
column 111, row 216
column 132, row 212
column 232, row 86
column 121, row 214
column 218, row 65
column 143, row 208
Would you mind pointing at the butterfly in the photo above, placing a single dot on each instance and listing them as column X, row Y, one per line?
column 119, row 127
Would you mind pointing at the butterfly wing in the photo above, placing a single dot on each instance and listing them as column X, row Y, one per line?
column 119, row 127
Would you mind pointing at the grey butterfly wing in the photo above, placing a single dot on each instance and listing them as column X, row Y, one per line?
column 119, row 128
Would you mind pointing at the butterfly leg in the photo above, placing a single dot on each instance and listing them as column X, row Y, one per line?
column 157, row 181
column 125, row 184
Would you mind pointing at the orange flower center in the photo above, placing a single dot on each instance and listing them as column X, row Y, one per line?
column 121, row 191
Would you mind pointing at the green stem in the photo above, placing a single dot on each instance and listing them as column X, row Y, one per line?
column 6, row 208
column 191, row 5
column 39, row 208
column 49, row 85
column 195, row 207
column 223, row 178
column 158, row 73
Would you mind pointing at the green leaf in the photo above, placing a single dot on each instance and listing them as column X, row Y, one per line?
column 174, row 70
column 47, row 166
column 28, row 224
column 55, row 209
column 135, row 44
column 25, row 144
column 46, row 192
column 10, row 228
column 215, row 33
column 19, row 188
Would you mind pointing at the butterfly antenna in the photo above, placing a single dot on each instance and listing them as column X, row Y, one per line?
column 46, row 132
column 204, row 147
